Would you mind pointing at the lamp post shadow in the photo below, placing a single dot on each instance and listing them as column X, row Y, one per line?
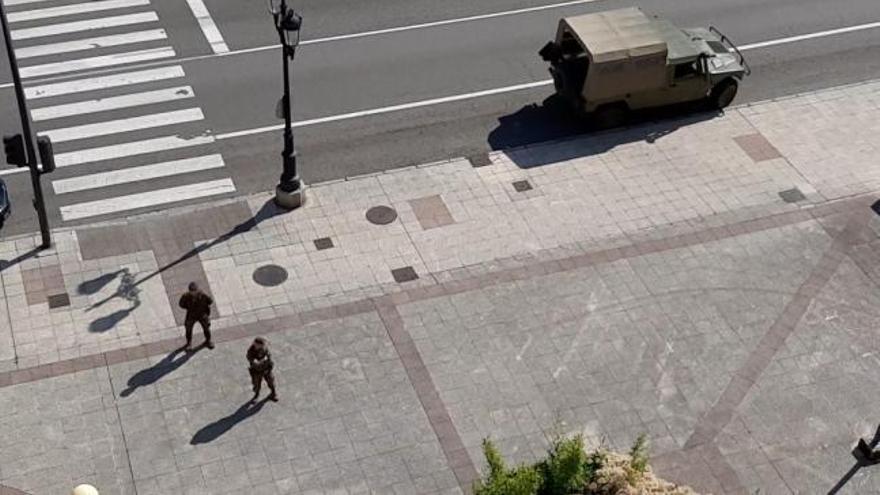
column 865, row 456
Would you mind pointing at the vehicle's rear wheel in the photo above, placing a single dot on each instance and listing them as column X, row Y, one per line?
column 611, row 115
column 723, row 93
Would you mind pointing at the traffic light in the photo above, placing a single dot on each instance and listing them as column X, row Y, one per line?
column 13, row 146
column 47, row 156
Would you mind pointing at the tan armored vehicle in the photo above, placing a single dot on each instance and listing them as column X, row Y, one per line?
column 608, row 63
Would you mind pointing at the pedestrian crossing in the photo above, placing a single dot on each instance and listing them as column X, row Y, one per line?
column 124, row 139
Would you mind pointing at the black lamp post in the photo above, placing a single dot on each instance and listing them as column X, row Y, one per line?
column 30, row 160
column 289, row 192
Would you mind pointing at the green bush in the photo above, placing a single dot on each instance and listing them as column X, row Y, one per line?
column 638, row 463
column 522, row 480
column 564, row 470
column 595, row 461
column 567, row 470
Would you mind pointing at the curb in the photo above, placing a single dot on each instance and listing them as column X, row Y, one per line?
column 179, row 210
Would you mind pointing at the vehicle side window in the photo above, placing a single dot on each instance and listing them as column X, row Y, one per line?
column 685, row 70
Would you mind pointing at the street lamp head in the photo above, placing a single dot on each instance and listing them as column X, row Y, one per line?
column 291, row 21
column 290, row 25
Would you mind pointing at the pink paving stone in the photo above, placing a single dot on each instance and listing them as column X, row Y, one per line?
column 757, row 147
column 431, row 212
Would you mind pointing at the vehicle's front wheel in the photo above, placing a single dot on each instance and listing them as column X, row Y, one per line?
column 723, row 93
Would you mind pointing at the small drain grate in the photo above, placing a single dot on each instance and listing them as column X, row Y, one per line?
column 405, row 274
column 58, row 300
column 522, row 186
column 480, row 160
column 792, row 195
column 323, row 243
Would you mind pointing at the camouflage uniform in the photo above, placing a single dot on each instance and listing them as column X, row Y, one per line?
column 198, row 309
column 260, row 366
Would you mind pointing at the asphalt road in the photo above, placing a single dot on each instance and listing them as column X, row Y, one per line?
column 238, row 91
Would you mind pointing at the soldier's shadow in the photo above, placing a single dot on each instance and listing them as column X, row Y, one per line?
column 151, row 375
column 213, row 431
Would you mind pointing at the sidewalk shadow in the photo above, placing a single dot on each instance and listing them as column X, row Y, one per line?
column 267, row 211
column 127, row 289
column 153, row 374
column 861, row 462
column 94, row 285
column 216, row 429
column 552, row 120
column 4, row 264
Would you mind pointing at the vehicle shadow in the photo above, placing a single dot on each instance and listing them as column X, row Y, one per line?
column 213, row 431
column 552, row 120
column 153, row 374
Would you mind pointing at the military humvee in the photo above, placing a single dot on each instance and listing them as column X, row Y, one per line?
column 608, row 63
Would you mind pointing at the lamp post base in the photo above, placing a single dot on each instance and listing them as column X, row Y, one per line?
column 290, row 199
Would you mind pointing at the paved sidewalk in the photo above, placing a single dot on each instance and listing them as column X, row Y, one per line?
column 710, row 281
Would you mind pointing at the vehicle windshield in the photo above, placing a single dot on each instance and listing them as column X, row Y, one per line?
column 717, row 46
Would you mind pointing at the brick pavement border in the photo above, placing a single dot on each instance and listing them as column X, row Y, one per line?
column 455, row 286
column 438, row 416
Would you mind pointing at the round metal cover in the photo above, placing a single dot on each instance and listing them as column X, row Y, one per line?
column 270, row 275
column 381, row 215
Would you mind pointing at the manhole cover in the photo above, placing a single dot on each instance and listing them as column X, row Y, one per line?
column 381, row 215
column 270, row 275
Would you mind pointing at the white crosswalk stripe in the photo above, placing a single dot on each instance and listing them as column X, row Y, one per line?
column 111, row 103
column 87, row 131
column 96, row 62
column 137, row 174
column 77, row 8
column 10, row 3
column 147, row 199
column 90, row 43
column 135, row 166
column 103, row 82
column 133, row 148
column 86, row 25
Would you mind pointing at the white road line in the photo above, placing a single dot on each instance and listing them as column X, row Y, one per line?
column 77, row 8
column 137, row 174
column 86, row 25
column 143, row 200
column 393, row 108
column 124, row 125
column 96, row 62
column 112, row 103
column 209, row 28
column 91, row 43
column 445, row 22
column 193, row 58
column 10, row 3
column 133, row 148
column 103, row 82
column 516, row 87
column 810, row 36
